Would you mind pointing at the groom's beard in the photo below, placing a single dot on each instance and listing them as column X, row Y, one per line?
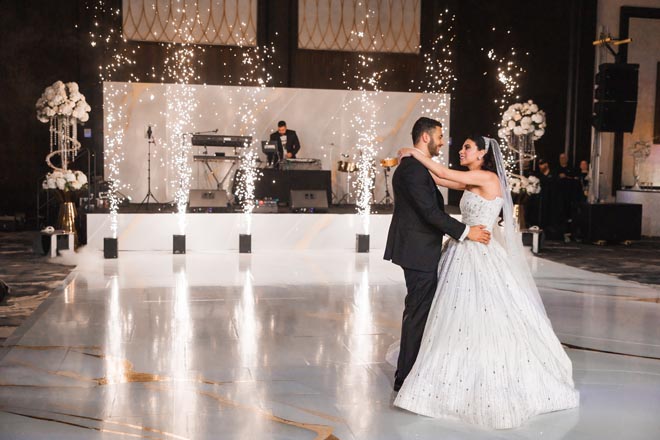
column 434, row 149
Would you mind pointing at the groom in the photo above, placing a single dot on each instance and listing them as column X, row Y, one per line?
column 414, row 241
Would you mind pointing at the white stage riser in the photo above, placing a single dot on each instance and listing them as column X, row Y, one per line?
column 219, row 232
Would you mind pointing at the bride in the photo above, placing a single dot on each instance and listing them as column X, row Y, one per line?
column 489, row 355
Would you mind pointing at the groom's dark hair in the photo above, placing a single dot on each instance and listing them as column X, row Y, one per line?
column 423, row 125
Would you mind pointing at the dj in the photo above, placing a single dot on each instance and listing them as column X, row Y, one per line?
column 288, row 144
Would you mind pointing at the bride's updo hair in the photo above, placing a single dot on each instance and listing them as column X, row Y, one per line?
column 488, row 163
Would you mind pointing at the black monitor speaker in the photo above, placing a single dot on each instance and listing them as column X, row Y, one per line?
column 309, row 200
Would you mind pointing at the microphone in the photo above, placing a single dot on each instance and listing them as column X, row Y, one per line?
column 149, row 132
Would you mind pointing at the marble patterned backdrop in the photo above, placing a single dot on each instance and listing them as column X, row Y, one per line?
column 323, row 119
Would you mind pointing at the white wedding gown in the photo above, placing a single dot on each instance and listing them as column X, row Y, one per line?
column 488, row 356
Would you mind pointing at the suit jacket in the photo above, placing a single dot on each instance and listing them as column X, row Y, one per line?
column 292, row 143
column 419, row 221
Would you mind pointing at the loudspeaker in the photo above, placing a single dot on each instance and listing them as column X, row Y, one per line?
column 614, row 222
column 309, row 200
column 617, row 82
column 207, row 198
column 615, row 116
column 616, row 96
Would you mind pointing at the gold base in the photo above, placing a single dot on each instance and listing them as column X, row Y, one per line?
column 67, row 218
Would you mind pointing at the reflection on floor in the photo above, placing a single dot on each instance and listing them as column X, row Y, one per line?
column 289, row 346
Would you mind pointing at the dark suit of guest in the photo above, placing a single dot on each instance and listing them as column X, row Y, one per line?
column 414, row 242
column 292, row 146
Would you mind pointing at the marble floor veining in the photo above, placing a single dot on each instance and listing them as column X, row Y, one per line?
column 291, row 346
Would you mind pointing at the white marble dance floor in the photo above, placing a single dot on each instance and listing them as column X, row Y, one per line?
column 290, row 345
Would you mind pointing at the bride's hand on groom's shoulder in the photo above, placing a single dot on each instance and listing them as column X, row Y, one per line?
column 406, row 152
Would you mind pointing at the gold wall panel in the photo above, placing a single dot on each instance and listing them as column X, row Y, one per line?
column 217, row 22
column 359, row 25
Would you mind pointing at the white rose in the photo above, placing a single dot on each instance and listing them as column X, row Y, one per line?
column 517, row 130
column 526, row 121
column 75, row 96
column 84, row 118
column 60, row 183
column 44, row 184
column 537, row 118
column 539, row 133
column 52, row 184
column 80, row 176
column 70, row 177
column 501, row 133
column 533, row 108
column 517, row 117
column 506, row 116
column 73, row 87
column 76, row 185
column 67, row 108
column 511, row 124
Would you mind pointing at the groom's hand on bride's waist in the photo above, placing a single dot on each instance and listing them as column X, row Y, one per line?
column 479, row 233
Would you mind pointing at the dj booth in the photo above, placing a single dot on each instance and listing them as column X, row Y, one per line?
column 278, row 184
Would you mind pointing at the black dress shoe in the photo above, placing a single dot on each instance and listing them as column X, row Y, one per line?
column 397, row 384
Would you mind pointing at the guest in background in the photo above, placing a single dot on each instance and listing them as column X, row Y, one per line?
column 583, row 177
column 288, row 144
column 550, row 206
column 564, row 170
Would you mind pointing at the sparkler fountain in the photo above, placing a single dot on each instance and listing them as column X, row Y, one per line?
column 256, row 61
column 109, row 41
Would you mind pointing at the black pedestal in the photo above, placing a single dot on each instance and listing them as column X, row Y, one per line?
column 245, row 244
column 110, row 248
column 179, row 244
column 362, row 243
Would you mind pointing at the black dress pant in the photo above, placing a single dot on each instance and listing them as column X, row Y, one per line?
column 421, row 288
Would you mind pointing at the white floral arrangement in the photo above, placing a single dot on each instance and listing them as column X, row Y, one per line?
column 522, row 119
column 524, row 185
column 62, row 99
column 640, row 150
column 68, row 180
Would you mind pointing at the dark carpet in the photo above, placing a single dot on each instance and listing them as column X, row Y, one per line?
column 639, row 261
column 30, row 277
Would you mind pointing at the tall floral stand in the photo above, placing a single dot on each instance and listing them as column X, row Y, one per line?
column 62, row 106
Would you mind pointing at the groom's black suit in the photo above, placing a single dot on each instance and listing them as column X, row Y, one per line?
column 414, row 242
